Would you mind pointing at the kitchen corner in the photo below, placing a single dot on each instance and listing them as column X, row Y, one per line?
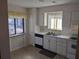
column 60, row 44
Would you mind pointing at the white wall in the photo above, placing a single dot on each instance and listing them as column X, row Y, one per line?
column 22, row 40
column 67, row 10
column 16, row 8
column 37, row 14
column 32, row 24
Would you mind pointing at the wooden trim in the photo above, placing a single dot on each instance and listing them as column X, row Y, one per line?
column 77, row 52
column 4, row 34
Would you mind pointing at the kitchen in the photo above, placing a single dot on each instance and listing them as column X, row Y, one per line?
column 48, row 32
column 61, row 42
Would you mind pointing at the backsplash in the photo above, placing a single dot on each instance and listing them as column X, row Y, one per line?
column 65, row 31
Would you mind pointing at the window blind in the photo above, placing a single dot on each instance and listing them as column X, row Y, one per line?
column 55, row 20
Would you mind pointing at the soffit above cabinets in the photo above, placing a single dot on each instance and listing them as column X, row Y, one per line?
column 38, row 3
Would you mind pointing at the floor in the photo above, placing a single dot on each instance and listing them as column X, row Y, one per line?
column 31, row 52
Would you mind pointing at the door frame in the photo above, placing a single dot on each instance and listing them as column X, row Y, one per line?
column 4, row 36
column 77, row 52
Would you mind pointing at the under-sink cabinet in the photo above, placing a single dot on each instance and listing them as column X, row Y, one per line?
column 54, row 44
column 46, row 43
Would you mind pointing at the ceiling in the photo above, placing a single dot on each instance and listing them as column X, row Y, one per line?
column 38, row 3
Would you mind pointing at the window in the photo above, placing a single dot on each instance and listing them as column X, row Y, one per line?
column 54, row 20
column 19, row 25
column 11, row 26
column 16, row 25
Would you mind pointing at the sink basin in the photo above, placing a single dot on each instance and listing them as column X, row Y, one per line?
column 54, row 34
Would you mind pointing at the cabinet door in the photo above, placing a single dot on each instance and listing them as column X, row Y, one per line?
column 46, row 43
column 75, row 17
column 59, row 50
column 61, row 47
column 19, row 42
column 53, row 44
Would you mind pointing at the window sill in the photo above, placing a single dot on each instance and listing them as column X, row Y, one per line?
column 10, row 36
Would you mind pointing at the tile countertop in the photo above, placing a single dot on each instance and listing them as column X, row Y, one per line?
column 58, row 36
column 63, row 36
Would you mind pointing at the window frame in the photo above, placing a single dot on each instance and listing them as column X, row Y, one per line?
column 15, row 18
column 56, row 20
column 14, row 25
column 22, row 26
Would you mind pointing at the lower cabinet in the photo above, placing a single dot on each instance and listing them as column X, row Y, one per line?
column 52, row 44
column 57, row 45
column 61, row 46
column 17, row 42
column 46, row 43
column 61, row 50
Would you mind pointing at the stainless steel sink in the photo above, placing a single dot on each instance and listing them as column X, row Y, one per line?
column 51, row 33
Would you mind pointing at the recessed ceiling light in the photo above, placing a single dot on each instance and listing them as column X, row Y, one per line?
column 53, row 1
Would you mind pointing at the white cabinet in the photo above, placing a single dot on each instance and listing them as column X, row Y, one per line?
column 75, row 17
column 20, row 41
column 46, row 43
column 38, row 40
column 61, row 46
column 17, row 42
column 50, row 43
column 53, row 44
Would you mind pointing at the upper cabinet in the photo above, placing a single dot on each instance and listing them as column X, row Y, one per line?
column 75, row 18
